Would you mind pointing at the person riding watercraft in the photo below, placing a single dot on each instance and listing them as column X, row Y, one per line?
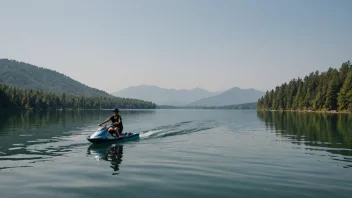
column 117, row 126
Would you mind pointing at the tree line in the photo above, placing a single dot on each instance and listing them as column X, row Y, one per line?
column 326, row 91
column 228, row 107
column 12, row 98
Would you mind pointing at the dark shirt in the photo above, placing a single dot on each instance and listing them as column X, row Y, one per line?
column 115, row 119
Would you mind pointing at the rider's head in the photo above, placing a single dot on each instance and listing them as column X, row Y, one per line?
column 116, row 111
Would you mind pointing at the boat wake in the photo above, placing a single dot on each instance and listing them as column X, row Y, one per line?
column 180, row 128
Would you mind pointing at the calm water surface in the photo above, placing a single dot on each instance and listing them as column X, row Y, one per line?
column 188, row 153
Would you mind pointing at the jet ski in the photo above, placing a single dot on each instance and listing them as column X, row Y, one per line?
column 101, row 135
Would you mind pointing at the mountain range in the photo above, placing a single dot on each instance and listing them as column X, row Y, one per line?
column 27, row 76
column 162, row 96
column 193, row 97
column 233, row 96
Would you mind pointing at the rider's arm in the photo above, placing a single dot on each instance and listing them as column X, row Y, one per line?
column 105, row 121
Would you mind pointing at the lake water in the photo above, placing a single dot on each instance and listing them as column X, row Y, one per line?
column 181, row 153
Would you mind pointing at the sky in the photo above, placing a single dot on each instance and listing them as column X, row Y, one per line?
column 181, row 44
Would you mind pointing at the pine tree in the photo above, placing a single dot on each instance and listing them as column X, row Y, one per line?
column 344, row 71
column 291, row 92
column 345, row 95
column 331, row 95
column 296, row 101
column 275, row 100
column 281, row 98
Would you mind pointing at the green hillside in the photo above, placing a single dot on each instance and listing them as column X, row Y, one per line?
column 17, row 98
column 25, row 86
column 27, row 76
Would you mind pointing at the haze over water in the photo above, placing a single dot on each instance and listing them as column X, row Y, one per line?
column 214, row 45
column 181, row 153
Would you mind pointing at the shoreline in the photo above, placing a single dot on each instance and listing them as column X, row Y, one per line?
column 309, row 111
column 67, row 109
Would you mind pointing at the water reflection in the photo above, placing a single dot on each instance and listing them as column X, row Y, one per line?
column 110, row 153
column 21, row 120
column 319, row 131
column 33, row 136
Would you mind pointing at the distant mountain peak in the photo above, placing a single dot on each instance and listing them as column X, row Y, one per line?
column 232, row 96
column 195, row 96
column 157, row 87
column 198, row 89
column 164, row 96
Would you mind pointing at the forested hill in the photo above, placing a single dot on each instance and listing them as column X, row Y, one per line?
column 327, row 91
column 27, row 76
column 16, row 98
column 25, row 86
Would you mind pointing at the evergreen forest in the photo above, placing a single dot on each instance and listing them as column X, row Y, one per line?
column 327, row 91
column 17, row 98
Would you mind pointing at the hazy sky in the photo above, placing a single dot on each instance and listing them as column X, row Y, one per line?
column 178, row 44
